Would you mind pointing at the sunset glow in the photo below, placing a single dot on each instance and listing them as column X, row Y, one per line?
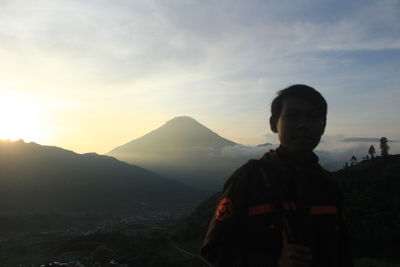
column 92, row 75
column 19, row 119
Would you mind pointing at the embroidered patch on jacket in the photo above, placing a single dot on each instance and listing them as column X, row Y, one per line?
column 224, row 209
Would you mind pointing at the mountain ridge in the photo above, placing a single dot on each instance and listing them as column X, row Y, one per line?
column 45, row 178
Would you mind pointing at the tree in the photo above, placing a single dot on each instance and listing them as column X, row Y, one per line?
column 353, row 160
column 101, row 255
column 372, row 151
column 384, row 146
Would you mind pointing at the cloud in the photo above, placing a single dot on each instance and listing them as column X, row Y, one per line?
column 329, row 159
column 338, row 149
column 140, row 40
column 247, row 152
column 333, row 153
column 335, row 159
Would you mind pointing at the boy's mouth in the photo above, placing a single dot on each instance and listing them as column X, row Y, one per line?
column 303, row 138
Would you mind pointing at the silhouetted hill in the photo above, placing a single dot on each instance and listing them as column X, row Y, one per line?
column 371, row 192
column 36, row 178
column 372, row 200
column 185, row 150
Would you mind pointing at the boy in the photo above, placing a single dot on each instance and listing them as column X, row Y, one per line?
column 283, row 210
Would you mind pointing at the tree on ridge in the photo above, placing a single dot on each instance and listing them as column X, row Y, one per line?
column 353, row 160
column 384, row 146
column 372, row 151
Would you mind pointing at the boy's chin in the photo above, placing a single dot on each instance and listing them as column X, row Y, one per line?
column 300, row 149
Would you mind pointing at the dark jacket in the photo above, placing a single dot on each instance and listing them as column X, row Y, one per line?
column 265, row 196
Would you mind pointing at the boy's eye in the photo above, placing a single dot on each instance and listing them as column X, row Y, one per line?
column 296, row 115
column 315, row 116
column 312, row 115
column 290, row 115
column 318, row 117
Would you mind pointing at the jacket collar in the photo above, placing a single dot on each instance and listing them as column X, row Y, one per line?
column 288, row 162
column 294, row 160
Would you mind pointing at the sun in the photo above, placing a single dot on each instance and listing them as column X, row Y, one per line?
column 19, row 119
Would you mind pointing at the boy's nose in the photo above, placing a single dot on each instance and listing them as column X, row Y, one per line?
column 303, row 123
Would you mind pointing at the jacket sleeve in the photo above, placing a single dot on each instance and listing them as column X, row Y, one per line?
column 223, row 243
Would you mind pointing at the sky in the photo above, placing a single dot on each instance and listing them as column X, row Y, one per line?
column 92, row 75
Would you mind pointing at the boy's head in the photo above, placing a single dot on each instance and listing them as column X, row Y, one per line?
column 298, row 115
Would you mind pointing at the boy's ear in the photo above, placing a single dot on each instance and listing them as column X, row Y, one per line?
column 323, row 131
column 272, row 124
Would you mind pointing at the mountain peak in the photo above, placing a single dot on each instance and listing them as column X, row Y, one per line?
column 181, row 132
column 182, row 119
column 183, row 122
column 181, row 149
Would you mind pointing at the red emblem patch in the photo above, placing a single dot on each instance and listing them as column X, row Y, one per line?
column 224, row 209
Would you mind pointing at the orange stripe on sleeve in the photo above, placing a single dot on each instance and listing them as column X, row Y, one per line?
column 261, row 209
column 315, row 210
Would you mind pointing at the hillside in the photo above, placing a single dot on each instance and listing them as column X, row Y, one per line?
column 371, row 211
column 36, row 178
column 371, row 192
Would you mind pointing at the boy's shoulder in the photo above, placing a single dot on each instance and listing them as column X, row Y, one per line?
column 244, row 173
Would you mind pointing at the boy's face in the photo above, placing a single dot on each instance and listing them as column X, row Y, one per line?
column 299, row 126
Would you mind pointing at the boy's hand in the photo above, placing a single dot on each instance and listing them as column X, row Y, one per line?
column 294, row 255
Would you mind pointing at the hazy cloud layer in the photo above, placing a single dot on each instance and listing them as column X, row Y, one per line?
column 249, row 152
column 332, row 153
column 365, row 139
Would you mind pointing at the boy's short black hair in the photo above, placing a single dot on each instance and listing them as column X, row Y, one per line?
column 301, row 91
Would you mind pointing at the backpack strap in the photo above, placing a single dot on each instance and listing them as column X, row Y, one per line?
column 276, row 188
